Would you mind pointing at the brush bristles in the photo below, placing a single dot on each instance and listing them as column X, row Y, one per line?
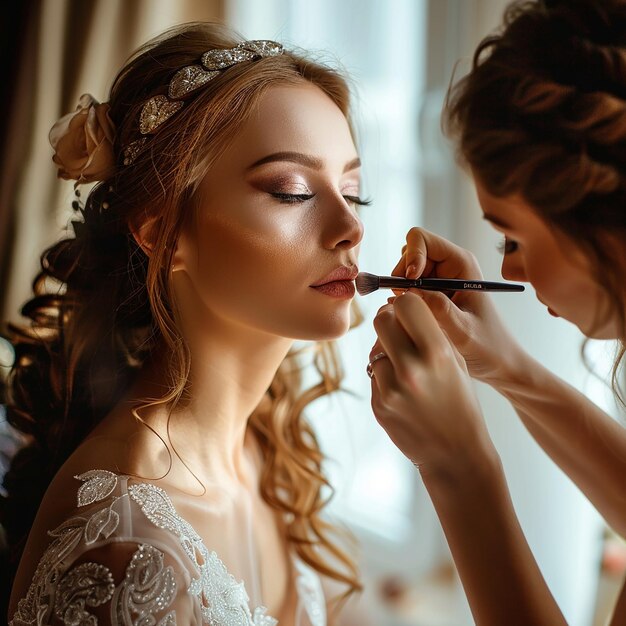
column 366, row 283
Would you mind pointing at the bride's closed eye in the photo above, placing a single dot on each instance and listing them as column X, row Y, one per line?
column 291, row 198
column 357, row 200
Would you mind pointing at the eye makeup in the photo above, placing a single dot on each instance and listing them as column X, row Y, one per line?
column 294, row 185
column 291, row 190
column 294, row 198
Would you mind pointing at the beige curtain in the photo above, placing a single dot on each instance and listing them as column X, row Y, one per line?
column 64, row 48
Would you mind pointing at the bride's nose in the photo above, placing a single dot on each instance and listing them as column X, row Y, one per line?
column 342, row 225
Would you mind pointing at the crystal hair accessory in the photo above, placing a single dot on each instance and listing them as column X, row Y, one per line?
column 187, row 80
column 83, row 142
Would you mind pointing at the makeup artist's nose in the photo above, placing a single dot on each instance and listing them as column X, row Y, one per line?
column 342, row 225
column 513, row 267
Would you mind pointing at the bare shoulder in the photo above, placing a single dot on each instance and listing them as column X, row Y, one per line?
column 59, row 504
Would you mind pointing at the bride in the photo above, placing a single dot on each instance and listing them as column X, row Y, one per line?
column 175, row 477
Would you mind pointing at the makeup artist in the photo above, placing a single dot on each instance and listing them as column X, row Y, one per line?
column 540, row 124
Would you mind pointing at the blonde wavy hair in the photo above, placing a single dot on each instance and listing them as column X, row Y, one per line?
column 87, row 341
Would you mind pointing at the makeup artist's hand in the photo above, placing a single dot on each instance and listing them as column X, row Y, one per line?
column 468, row 318
column 422, row 394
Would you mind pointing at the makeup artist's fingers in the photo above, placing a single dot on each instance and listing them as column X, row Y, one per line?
column 395, row 342
column 471, row 323
column 378, row 346
column 384, row 377
column 429, row 252
column 419, row 324
column 449, row 316
column 407, row 330
column 401, row 270
column 450, row 330
column 402, row 267
column 420, row 396
column 432, row 255
column 460, row 314
column 376, row 349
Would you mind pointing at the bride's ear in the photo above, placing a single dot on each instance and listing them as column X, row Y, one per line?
column 144, row 233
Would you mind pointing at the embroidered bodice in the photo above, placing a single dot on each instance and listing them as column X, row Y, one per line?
column 128, row 553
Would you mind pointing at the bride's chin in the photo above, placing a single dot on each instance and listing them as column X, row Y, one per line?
column 327, row 332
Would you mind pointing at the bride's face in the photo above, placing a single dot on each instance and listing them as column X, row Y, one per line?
column 277, row 214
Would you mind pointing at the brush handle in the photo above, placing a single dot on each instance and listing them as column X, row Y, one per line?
column 446, row 284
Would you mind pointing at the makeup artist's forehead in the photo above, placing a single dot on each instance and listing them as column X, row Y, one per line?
column 294, row 118
column 511, row 212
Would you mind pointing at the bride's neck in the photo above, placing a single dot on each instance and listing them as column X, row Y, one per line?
column 207, row 428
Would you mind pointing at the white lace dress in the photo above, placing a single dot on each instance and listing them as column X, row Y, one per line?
column 128, row 552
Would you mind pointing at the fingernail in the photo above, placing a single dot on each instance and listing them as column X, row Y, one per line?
column 411, row 271
column 391, row 299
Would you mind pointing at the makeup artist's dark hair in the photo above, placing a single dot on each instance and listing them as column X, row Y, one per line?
column 102, row 307
column 542, row 114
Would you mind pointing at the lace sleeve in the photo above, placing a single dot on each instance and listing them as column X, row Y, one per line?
column 102, row 567
column 124, row 584
column 117, row 584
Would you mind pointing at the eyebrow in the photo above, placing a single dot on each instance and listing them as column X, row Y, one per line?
column 303, row 159
column 495, row 220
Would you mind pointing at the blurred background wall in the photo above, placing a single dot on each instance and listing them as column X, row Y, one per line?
column 401, row 55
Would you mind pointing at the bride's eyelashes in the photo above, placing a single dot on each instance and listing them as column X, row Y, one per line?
column 506, row 246
column 290, row 198
column 358, row 200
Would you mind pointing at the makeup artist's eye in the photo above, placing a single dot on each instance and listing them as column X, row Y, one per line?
column 507, row 246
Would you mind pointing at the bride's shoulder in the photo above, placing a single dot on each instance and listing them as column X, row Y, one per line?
column 63, row 495
column 89, row 526
column 67, row 493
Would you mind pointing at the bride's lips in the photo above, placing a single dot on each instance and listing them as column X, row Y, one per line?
column 339, row 283
column 337, row 289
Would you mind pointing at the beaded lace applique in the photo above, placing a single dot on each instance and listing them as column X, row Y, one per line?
column 223, row 600
column 87, row 584
column 98, row 484
column 147, row 588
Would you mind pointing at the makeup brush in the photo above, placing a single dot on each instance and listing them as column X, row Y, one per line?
column 367, row 283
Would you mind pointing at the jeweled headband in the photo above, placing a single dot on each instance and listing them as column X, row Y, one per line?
column 190, row 78
column 83, row 140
